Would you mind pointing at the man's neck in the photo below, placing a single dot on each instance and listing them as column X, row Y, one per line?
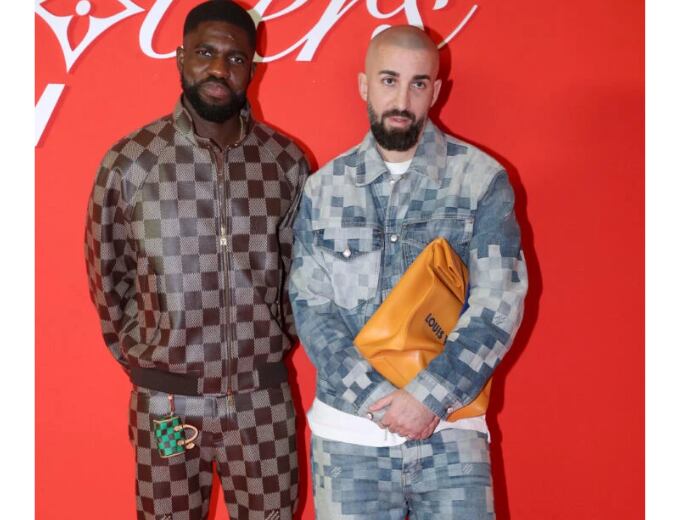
column 394, row 156
column 222, row 134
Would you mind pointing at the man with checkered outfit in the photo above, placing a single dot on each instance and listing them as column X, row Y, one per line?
column 188, row 247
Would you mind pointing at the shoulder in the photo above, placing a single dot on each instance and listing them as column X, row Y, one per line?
column 140, row 149
column 280, row 147
column 471, row 155
column 472, row 167
column 335, row 168
column 127, row 163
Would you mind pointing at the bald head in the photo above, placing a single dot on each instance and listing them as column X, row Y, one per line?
column 399, row 85
column 405, row 37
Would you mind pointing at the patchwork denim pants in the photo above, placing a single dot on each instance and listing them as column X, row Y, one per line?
column 447, row 476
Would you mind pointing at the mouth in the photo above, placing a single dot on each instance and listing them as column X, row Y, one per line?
column 399, row 121
column 215, row 91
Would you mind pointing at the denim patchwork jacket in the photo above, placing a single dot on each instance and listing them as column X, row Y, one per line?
column 358, row 229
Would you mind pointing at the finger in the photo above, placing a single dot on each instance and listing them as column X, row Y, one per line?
column 433, row 426
column 405, row 431
column 396, row 427
column 380, row 403
column 424, row 434
column 385, row 423
column 389, row 419
column 413, row 437
column 428, row 430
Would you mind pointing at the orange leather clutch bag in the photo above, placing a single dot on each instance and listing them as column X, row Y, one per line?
column 410, row 327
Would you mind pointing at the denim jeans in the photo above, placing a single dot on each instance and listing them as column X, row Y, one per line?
column 447, row 476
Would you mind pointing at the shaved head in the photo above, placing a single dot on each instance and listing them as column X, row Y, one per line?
column 405, row 37
column 399, row 86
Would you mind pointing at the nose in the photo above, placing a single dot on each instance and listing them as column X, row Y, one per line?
column 218, row 67
column 403, row 97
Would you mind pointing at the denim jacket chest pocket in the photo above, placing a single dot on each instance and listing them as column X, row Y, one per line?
column 454, row 226
column 352, row 259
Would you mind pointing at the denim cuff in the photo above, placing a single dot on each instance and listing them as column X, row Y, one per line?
column 378, row 392
column 432, row 391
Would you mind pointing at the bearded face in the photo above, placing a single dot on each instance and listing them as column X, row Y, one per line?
column 216, row 66
column 395, row 139
column 216, row 110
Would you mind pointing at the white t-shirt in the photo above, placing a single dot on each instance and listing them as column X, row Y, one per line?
column 335, row 425
column 398, row 168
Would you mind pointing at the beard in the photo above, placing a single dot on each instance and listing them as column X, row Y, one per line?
column 395, row 140
column 210, row 111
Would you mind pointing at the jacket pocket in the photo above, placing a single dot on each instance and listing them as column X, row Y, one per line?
column 352, row 257
column 149, row 312
column 455, row 227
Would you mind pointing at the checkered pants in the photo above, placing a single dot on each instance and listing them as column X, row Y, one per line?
column 447, row 477
column 251, row 440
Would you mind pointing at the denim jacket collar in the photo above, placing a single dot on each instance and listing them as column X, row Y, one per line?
column 370, row 165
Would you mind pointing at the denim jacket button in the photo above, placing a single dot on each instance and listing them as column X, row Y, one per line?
column 394, row 238
column 347, row 253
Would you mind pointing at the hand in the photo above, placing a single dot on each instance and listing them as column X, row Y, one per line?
column 428, row 430
column 406, row 416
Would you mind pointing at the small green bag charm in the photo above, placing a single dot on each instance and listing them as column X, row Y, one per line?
column 170, row 436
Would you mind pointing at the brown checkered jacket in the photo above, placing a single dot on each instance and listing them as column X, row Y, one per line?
column 188, row 251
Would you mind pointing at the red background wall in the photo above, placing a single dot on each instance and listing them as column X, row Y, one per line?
column 554, row 90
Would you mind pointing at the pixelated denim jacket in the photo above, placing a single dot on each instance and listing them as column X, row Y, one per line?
column 359, row 228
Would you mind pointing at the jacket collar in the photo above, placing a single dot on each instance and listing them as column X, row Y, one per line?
column 183, row 122
column 431, row 147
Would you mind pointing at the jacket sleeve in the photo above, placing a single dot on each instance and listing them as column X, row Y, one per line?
column 298, row 176
column 325, row 336
column 485, row 330
column 109, row 261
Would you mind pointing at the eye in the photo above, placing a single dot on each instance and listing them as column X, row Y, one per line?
column 389, row 81
column 237, row 60
column 419, row 85
column 203, row 52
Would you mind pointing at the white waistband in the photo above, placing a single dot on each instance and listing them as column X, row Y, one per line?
column 332, row 424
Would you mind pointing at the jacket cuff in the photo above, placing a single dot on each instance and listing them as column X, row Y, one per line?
column 434, row 393
column 379, row 391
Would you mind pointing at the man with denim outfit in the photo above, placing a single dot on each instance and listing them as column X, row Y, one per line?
column 188, row 247
column 379, row 452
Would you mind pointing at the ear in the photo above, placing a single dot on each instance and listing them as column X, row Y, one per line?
column 363, row 86
column 179, row 58
column 437, row 88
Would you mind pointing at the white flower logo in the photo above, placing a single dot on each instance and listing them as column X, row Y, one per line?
column 59, row 26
